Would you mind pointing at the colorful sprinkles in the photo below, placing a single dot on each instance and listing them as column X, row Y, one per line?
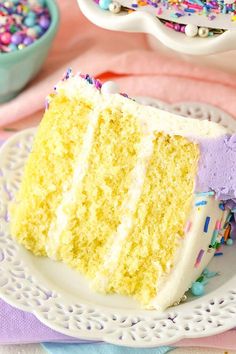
column 187, row 226
column 206, row 225
column 179, row 9
column 227, row 232
column 217, row 254
column 222, row 206
column 205, row 194
column 214, row 237
column 197, row 288
column 201, row 203
column 199, row 258
column 220, row 236
column 92, row 81
column 223, row 235
column 22, row 22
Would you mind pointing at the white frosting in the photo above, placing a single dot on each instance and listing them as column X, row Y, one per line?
column 152, row 118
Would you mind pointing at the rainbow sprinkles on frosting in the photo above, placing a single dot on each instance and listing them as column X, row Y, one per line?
column 135, row 198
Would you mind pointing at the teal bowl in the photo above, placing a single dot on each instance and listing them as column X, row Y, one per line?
column 19, row 67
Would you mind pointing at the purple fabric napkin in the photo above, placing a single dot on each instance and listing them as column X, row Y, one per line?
column 18, row 327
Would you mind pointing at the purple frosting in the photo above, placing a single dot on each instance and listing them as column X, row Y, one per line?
column 217, row 167
column 217, row 172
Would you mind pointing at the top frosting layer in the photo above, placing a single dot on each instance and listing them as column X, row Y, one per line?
column 151, row 119
column 217, row 165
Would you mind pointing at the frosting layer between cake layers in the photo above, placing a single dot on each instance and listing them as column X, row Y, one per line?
column 125, row 213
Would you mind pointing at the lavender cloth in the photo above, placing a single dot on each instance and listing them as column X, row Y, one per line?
column 19, row 327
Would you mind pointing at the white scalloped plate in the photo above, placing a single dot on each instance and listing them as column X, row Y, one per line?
column 143, row 22
column 61, row 299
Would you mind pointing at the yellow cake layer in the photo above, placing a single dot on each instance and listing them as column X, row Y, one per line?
column 158, row 224
column 95, row 216
column 50, row 165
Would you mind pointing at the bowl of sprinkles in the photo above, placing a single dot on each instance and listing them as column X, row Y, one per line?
column 195, row 27
column 27, row 29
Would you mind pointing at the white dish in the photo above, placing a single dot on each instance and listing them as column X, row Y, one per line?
column 60, row 297
column 143, row 22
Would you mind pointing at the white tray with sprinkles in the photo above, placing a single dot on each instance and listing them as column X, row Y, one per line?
column 61, row 299
column 214, row 31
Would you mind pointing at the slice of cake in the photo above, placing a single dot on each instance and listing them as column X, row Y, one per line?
column 127, row 194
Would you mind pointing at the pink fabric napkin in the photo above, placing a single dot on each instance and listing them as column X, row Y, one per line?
column 139, row 71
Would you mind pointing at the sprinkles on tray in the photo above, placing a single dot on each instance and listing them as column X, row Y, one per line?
column 209, row 8
column 179, row 8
